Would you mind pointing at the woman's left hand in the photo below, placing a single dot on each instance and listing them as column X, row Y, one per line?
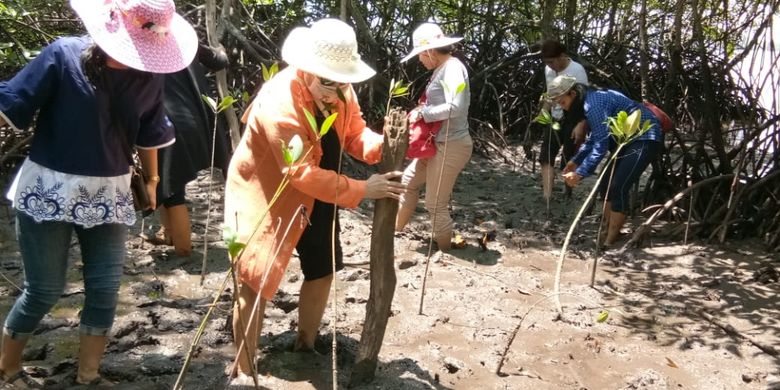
column 415, row 115
column 572, row 179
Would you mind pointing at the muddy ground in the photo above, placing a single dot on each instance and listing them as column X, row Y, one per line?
column 657, row 335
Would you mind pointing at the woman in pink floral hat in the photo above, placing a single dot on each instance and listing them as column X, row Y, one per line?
column 94, row 97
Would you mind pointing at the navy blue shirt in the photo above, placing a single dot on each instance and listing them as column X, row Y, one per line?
column 76, row 132
column 600, row 105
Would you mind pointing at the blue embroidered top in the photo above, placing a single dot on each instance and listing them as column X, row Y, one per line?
column 599, row 105
column 75, row 133
column 78, row 168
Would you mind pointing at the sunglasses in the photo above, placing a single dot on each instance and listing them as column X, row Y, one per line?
column 332, row 84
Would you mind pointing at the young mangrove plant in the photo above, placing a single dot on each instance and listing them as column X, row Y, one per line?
column 623, row 128
column 545, row 118
column 448, row 91
column 217, row 109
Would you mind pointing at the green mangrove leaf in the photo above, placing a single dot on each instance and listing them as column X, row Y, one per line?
column 603, row 316
column 228, row 234
column 210, row 102
column 445, row 87
column 311, row 119
column 245, row 97
column 226, row 103
column 327, row 123
column 556, row 126
column 543, row 118
column 231, row 241
column 295, row 147
column 266, row 73
column 645, row 127
column 397, row 88
column 269, row 72
column 401, row 91
column 632, row 123
column 286, row 153
column 460, row 88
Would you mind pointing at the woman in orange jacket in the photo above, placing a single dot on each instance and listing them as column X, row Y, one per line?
column 323, row 63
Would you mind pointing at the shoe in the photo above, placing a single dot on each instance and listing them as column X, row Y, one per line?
column 20, row 380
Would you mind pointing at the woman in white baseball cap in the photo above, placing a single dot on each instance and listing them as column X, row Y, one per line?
column 446, row 100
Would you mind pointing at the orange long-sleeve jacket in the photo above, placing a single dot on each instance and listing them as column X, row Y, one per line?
column 258, row 167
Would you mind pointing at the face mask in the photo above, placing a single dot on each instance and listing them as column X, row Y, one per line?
column 323, row 90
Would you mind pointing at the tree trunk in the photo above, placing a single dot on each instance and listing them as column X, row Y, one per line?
column 214, row 37
column 343, row 10
column 709, row 105
column 382, row 256
column 548, row 15
column 570, row 28
column 675, row 61
column 610, row 35
column 643, row 51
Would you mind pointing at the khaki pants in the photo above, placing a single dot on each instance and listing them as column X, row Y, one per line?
column 436, row 200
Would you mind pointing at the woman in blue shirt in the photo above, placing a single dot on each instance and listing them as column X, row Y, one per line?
column 94, row 97
column 598, row 105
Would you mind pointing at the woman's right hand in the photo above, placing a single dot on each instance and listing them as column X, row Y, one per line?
column 571, row 166
column 380, row 186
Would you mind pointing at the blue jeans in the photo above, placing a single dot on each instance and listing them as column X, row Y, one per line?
column 44, row 247
column 630, row 163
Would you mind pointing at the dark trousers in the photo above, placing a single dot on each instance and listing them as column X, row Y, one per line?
column 629, row 165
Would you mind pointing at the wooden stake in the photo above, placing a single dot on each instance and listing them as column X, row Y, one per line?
column 382, row 254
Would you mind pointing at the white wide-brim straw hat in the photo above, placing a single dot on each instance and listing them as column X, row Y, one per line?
column 560, row 85
column 428, row 36
column 147, row 35
column 327, row 49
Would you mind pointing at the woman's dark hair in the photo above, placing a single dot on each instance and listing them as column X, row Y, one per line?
column 453, row 51
column 93, row 64
column 577, row 108
column 550, row 48
column 449, row 49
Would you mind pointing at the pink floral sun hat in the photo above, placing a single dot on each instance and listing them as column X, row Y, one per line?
column 147, row 35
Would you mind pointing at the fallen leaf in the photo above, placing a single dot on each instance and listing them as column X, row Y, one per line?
column 671, row 363
column 603, row 316
column 459, row 242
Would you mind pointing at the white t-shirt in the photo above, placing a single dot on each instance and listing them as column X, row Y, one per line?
column 575, row 70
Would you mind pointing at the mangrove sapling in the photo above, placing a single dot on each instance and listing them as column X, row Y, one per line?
column 216, row 109
column 624, row 129
column 234, row 248
column 454, row 94
column 269, row 71
column 545, row 118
